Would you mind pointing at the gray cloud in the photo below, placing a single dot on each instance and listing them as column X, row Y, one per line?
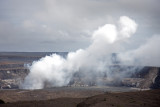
column 67, row 25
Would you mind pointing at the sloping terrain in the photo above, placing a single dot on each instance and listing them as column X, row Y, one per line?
column 148, row 77
column 149, row 98
column 10, row 95
column 128, row 99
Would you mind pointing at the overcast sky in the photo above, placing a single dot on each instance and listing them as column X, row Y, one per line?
column 67, row 25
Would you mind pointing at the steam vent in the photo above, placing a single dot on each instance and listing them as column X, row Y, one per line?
column 12, row 74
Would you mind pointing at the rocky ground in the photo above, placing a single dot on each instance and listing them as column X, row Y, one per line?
column 14, row 95
column 11, row 75
column 149, row 98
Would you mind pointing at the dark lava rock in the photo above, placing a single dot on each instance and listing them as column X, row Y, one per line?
column 2, row 102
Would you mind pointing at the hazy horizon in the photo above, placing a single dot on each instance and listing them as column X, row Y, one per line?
column 68, row 25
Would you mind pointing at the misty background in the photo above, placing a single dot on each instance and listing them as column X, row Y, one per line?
column 67, row 25
column 95, row 61
column 89, row 30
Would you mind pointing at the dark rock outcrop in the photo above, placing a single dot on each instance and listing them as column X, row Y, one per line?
column 2, row 102
column 148, row 77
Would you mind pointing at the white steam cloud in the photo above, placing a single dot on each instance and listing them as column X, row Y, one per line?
column 90, row 62
column 146, row 55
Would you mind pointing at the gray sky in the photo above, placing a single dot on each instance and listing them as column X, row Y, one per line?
column 67, row 25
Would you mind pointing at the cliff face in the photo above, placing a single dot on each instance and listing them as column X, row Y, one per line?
column 148, row 77
column 144, row 78
column 12, row 70
column 12, row 74
column 156, row 80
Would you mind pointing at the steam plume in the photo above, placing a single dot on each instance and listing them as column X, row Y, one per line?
column 146, row 55
column 92, row 61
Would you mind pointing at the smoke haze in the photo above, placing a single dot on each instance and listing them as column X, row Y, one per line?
column 93, row 61
column 147, row 54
